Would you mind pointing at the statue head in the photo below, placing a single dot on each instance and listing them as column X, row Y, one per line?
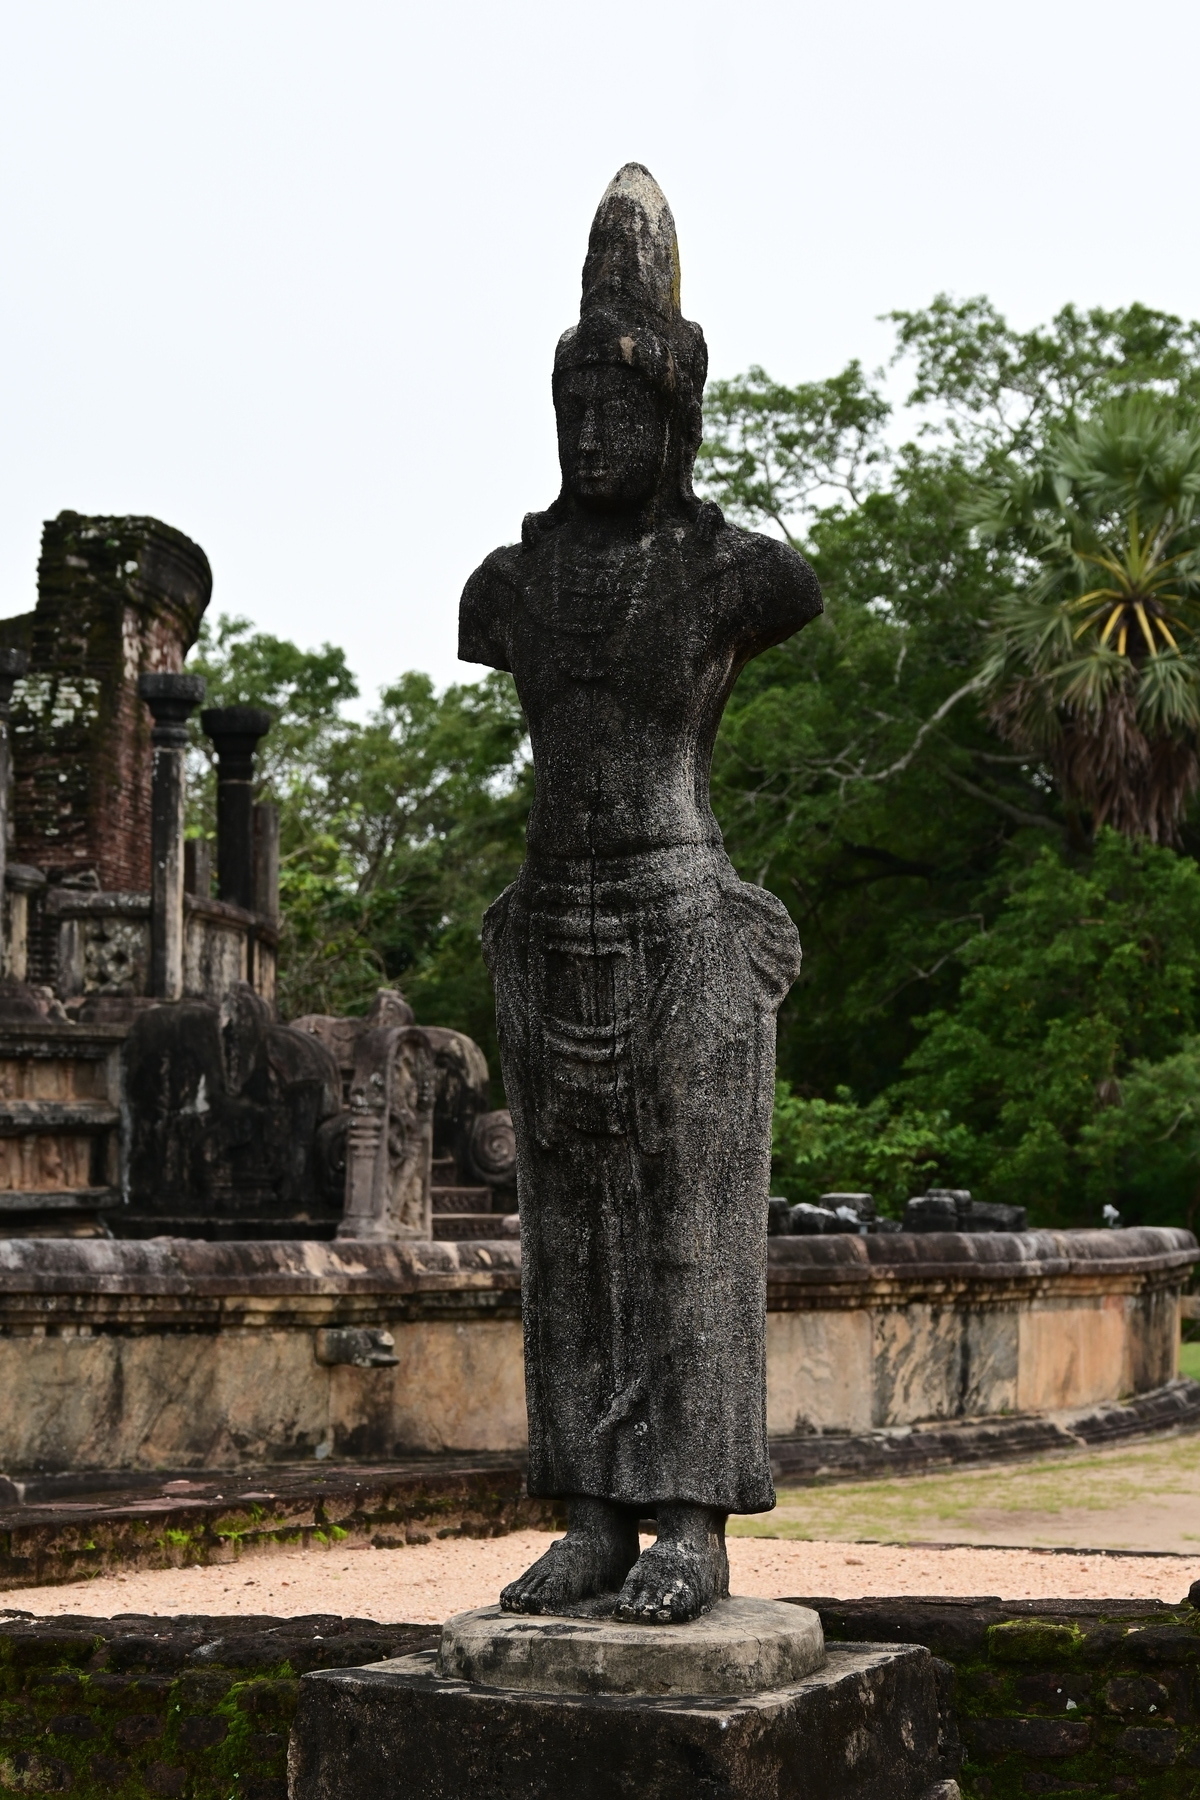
column 628, row 379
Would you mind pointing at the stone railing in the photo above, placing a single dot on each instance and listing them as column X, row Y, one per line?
column 102, row 945
column 875, row 1347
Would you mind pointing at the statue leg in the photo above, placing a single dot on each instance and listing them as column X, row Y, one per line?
column 683, row 1573
column 600, row 1548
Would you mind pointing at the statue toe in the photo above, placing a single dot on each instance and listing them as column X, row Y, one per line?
column 668, row 1585
column 529, row 1592
column 573, row 1569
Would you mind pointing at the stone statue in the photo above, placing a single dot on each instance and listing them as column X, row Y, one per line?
column 637, row 978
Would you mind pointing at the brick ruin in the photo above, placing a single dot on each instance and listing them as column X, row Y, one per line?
column 117, row 598
column 146, row 1085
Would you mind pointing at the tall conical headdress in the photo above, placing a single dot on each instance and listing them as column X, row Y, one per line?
column 633, row 252
column 630, row 309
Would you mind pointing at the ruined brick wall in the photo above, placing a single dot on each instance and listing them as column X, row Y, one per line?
column 1050, row 1697
column 186, row 1708
column 115, row 597
column 1055, row 1696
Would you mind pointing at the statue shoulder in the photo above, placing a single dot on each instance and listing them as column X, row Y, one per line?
column 776, row 589
column 485, row 610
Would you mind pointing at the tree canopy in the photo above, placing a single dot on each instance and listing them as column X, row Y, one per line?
column 396, row 830
column 992, row 974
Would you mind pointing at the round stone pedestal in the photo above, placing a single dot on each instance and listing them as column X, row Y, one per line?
column 741, row 1647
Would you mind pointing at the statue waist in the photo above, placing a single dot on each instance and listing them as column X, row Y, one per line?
column 575, row 893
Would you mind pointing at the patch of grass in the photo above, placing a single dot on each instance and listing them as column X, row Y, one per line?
column 926, row 1506
column 1189, row 1361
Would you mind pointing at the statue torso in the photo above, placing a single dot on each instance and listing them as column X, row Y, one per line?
column 624, row 651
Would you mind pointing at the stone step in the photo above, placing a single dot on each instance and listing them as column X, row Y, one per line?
column 57, row 1199
column 456, row 1226
column 19, row 1117
column 461, row 1199
column 61, row 1527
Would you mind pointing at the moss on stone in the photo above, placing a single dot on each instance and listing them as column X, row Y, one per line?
column 1033, row 1641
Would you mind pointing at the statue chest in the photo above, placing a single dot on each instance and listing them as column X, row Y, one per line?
column 611, row 617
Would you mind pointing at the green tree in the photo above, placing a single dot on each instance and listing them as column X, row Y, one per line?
column 774, row 453
column 1088, row 974
column 862, row 773
column 1143, row 1153
column 835, row 1146
column 988, row 393
column 1094, row 669
column 427, row 801
column 1064, row 1077
column 305, row 691
column 396, row 831
column 859, row 773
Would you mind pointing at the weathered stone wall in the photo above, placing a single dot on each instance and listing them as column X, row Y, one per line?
column 247, row 1396
column 1047, row 1697
column 116, row 597
column 57, row 1536
column 186, row 1353
column 906, row 1363
column 1055, row 1697
column 173, row 1707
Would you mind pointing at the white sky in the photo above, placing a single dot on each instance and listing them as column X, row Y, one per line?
column 289, row 276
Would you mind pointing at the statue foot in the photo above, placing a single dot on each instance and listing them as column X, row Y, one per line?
column 600, row 1548
column 683, row 1574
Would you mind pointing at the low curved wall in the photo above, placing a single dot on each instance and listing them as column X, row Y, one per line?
column 180, row 1353
column 877, row 1332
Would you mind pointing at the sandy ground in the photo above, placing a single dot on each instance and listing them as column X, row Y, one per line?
column 425, row 1583
column 933, row 1534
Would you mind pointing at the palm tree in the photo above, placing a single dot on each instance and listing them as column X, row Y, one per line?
column 1095, row 665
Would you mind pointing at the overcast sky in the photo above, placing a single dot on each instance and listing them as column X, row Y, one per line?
column 290, row 276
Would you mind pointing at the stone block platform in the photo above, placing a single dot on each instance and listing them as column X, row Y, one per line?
column 740, row 1647
column 741, row 1704
column 864, row 1726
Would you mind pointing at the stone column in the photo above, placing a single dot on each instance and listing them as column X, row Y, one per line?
column 197, row 868
column 13, row 664
column 172, row 699
column 235, row 731
column 266, row 860
column 23, row 881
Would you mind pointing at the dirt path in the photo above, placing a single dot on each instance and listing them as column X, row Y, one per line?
column 1143, row 1497
column 425, row 1583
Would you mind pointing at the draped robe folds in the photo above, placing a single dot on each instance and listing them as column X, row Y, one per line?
column 637, row 981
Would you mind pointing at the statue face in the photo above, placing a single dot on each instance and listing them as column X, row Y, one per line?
column 612, row 437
